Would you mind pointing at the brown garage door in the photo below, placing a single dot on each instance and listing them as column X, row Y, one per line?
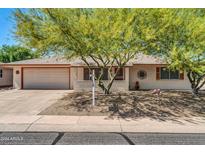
column 46, row 78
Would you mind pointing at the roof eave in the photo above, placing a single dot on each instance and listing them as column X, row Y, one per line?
column 22, row 65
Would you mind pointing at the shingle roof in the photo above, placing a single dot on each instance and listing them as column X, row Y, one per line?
column 52, row 60
column 139, row 59
column 147, row 59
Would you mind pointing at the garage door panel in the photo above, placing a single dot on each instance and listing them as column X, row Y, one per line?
column 46, row 78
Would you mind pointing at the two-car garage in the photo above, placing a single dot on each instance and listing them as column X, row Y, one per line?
column 45, row 78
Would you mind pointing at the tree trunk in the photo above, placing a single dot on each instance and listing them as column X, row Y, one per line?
column 106, row 88
column 195, row 91
column 111, row 81
column 195, row 81
column 110, row 85
column 103, row 87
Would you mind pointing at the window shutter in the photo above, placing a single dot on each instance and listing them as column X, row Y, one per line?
column 86, row 74
column 157, row 73
column 181, row 75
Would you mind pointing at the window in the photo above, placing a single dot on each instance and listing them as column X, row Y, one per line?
column 165, row 73
column 97, row 73
column 1, row 73
column 142, row 74
column 120, row 74
column 174, row 74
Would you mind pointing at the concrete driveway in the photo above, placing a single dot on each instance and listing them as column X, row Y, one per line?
column 27, row 102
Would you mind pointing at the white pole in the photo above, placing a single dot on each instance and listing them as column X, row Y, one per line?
column 93, row 86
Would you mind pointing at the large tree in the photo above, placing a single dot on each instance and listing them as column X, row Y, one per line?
column 108, row 37
column 180, row 39
column 112, row 37
column 15, row 53
column 193, row 62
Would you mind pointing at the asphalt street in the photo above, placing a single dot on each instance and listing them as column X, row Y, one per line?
column 52, row 138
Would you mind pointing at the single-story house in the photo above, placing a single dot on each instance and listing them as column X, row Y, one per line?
column 149, row 72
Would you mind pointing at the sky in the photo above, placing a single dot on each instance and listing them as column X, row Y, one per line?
column 6, row 25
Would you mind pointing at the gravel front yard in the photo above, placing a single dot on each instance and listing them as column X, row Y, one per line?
column 171, row 105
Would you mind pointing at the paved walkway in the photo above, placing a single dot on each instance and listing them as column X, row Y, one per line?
column 24, row 123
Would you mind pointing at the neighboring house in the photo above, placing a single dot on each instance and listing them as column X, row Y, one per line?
column 58, row 73
column 6, row 77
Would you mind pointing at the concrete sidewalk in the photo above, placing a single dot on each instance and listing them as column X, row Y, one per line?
column 14, row 123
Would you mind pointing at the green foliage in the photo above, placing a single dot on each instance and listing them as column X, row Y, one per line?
column 181, row 40
column 15, row 53
column 180, row 37
column 113, row 36
column 77, row 32
column 107, row 36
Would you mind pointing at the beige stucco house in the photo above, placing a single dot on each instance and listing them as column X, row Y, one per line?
column 57, row 73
